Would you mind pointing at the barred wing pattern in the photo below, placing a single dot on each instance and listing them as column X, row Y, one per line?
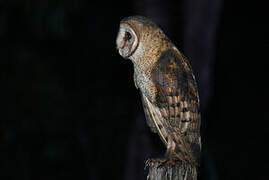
column 175, row 112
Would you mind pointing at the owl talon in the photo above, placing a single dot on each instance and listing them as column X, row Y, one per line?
column 162, row 162
column 147, row 163
column 168, row 163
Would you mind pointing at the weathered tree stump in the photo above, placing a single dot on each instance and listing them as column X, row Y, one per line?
column 158, row 170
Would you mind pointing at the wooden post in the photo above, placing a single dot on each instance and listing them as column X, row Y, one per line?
column 166, row 171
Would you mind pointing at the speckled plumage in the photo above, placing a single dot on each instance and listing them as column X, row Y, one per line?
column 167, row 85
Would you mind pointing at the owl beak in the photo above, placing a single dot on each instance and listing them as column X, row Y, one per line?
column 118, row 49
column 122, row 44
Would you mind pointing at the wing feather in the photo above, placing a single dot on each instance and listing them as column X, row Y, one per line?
column 148, row 115
column 154, row 118
column 178, row 101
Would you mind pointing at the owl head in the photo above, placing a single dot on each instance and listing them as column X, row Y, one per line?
column 138, row 35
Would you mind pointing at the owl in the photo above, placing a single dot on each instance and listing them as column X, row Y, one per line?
column 167, row 85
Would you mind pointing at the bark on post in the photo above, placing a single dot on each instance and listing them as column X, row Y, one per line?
column 177, row 171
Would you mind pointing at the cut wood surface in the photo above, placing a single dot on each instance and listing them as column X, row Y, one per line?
column 158, row 170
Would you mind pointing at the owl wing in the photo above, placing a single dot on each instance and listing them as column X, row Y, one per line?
column 154, row 118
column 178, row 102
column 148, row 114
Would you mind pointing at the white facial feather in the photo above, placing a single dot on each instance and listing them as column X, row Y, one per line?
column 126, row 47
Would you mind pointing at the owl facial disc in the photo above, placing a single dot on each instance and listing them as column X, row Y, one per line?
column 127, row 40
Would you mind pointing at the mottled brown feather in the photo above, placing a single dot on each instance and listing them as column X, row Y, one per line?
column 178, row 100
column 168, row 88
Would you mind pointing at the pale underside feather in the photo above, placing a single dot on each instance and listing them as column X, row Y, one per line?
column 154, row 119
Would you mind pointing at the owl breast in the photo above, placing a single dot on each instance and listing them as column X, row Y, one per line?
column 145, row 85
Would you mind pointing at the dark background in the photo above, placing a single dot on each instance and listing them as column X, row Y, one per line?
column 69, row 106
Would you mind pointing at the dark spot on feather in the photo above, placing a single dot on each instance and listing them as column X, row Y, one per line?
column 175, row 105
column 184, row 110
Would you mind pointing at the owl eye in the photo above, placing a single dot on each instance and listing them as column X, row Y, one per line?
column 128, row 36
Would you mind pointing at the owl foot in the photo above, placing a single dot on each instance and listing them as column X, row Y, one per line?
column 170, row 162
column 162, row 162
column 169, row 153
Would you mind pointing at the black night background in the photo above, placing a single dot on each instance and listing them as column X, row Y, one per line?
column 69, row 107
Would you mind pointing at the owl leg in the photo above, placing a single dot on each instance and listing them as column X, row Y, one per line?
column 170, row 151
column 170, row 156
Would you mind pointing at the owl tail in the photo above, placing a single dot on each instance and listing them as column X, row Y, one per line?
column 190, row 153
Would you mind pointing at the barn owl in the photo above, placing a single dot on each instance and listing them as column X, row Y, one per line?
column 167, row 85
